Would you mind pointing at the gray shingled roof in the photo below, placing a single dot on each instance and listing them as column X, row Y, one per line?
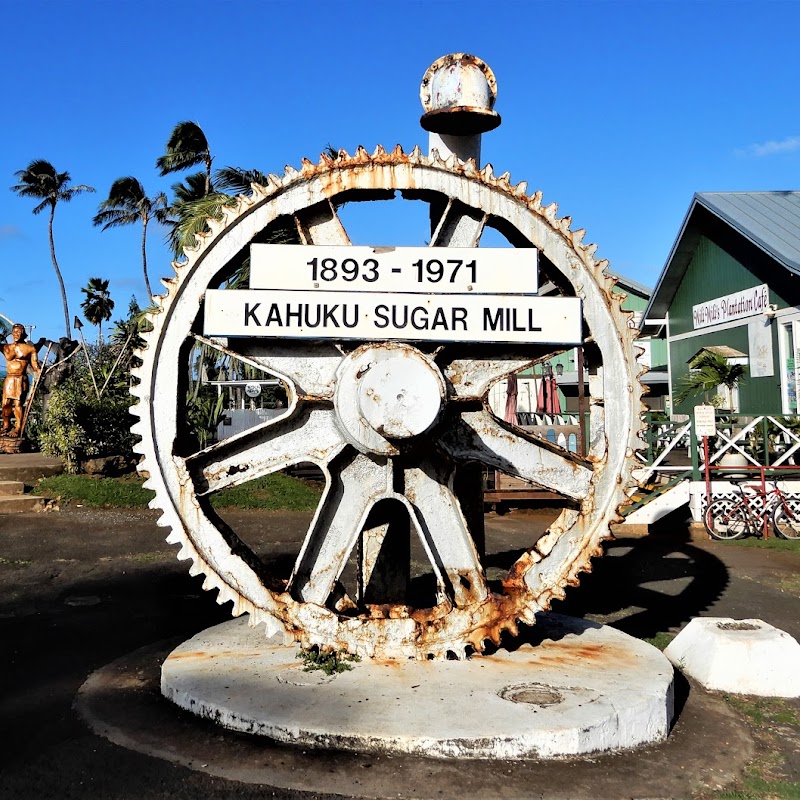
column 770, row 220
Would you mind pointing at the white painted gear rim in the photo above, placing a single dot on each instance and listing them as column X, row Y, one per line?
column 542, row 573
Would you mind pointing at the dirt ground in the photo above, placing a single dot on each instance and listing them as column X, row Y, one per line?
column 80, row 589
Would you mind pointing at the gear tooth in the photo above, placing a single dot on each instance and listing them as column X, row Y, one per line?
column 564, row 224
column 415, row 156
column 195, row 569
column 434, row 156
column 289, row 172
column 185, row 553
column 470, row 167
column 602, row 265
column 488, row 173
column 208, row 583
column 273, row 181
column 379, row 152
column 550, row 212
column 225, row 595
column 527, row 615
column 343, row 155
column 216, row 225
column 521, row 189
column 259, row 191
column 398, row 151
column 590, row 249
column 361, row 155
column 452, row 161
column 307, row 166
column 325, row 160
column 174, row 538
column 577, row 237
column 505, row 180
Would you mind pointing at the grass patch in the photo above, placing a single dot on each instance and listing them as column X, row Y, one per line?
column 660, row 640
column 764, row 710
column 776, row 724
column 330, row 662
column 773, row 543
column 759, row 789
column 14, row 563
column 126, row 492
column 274, row 492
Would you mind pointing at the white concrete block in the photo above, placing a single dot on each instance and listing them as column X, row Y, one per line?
column 745, row 656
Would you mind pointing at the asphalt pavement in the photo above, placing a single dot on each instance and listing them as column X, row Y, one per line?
column 99, row 593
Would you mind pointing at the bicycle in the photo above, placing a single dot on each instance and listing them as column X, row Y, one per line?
column 726, row 519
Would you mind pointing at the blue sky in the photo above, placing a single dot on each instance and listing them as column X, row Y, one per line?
column 617, row 111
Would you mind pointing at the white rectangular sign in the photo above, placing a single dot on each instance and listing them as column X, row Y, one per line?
column 705, row 422
column 746, row 303
column 383, row 316
column 444, row 270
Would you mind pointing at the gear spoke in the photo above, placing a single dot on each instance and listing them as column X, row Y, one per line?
column 429, row 489
column 459, row 226
column 320, row 224
column 308, row 435
column 353, row 489
column 471, row 378
column 478, row 436
column 309, row 367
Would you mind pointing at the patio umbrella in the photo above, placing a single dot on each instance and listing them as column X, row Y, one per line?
column 510, row 414
column 547, row 401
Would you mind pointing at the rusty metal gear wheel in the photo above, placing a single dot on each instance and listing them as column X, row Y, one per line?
column 363, row 467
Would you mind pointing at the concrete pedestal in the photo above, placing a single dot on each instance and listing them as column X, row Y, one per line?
column 584, row 688
column 746, row 656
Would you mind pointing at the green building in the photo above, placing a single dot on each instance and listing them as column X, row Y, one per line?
column 732, row 283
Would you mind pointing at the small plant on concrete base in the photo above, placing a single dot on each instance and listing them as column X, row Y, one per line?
column 329, row 661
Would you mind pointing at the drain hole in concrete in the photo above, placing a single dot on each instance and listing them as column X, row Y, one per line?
column 738, row 626
column 534, row 694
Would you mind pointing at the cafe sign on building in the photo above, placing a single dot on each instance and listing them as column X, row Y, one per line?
column 747, row 303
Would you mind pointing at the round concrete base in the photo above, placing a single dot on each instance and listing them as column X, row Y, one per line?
column 582, row 688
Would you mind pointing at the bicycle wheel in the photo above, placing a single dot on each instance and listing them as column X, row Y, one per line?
column 786, row 522
column 725, row 520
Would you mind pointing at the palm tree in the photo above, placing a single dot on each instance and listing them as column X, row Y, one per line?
column 186, row 147
column 127, row 204
column 41, row 181
column 238, row 180
column 98, row 305
column 709, row 370
column 190, row 209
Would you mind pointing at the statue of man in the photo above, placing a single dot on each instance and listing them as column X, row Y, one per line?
column 20, row 357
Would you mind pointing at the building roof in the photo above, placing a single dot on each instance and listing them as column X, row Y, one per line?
column 770, row 220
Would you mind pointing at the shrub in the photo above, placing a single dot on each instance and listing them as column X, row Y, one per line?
column 77, row 425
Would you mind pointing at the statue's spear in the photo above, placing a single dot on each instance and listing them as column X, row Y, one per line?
column 36, row 381
column 79, row 325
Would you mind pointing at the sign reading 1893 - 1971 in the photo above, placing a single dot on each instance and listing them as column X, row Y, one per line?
column 407, row 293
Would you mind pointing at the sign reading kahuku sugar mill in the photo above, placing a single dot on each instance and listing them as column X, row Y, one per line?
column 414, row 293
column 746, row 303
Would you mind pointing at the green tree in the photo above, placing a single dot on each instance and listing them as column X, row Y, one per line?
column 127, row 203
column 97, row 305
column 186, row 147
column 41, row 181
column 709, row 370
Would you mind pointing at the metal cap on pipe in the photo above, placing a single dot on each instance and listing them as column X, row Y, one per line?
column 458, row 93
